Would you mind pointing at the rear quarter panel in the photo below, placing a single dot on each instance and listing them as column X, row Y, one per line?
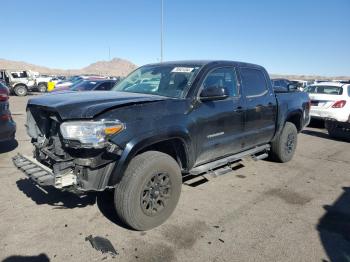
column 290, row 104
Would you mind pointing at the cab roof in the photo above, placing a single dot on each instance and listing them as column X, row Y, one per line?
column 206, row 63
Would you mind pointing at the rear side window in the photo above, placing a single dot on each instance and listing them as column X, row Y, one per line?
column 328, row 90
column 349, row 90
column 254, row 82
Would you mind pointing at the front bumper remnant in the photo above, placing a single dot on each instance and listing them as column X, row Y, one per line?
column 41, row 174
column 34, row 170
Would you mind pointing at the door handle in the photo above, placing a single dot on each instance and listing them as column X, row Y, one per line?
column 258, row 108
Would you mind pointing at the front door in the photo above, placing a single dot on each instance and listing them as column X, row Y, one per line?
column 219, row 122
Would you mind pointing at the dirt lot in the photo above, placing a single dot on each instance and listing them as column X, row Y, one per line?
column 298, row 211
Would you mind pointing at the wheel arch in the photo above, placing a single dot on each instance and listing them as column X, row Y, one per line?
column 296, row 118
column 42, row 82
column 175, row 145
column 20, row 84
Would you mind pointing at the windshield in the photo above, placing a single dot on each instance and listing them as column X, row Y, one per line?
column 328, row 90
column 163, row 80
column 83, row 86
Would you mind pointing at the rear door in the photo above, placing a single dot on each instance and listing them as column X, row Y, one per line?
column 260, row 107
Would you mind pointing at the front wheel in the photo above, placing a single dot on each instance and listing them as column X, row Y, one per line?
column 283, row 148
column 148, row 191
column 20, row 90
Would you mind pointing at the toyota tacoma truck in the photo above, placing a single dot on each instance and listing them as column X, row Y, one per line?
column 162, row 122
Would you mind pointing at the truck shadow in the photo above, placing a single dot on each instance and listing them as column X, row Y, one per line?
column 334, row 228
column 105, row 203
column 68, row 200
column 8, row 146
column 39, row 258
column 54, row 197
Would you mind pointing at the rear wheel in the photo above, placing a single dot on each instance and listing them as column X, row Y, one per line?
column 42, row 87
column 149, row 190
column 283, row 148
column 334, row 130
column 20, row 90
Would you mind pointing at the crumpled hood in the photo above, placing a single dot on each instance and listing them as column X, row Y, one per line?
column 75, row 105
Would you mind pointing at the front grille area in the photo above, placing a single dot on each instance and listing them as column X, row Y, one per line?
column 43, row 128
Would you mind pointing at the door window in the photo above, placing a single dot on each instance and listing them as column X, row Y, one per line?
column 254, row 82
column 222, row 77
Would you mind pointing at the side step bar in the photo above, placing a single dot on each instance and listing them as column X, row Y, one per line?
column 254, row 152
column 33, row 169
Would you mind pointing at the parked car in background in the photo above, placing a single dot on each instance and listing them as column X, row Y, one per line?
column 7, row 125
column 41, row 82
column 66, row 84
column 83, row 83
column 19, row 82
column 284, row 84
column 330, row 101
column 161, row 122
column 303, row 83
column 54, row 80
column 94, row 85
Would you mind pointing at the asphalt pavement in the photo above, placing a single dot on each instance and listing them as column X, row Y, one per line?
column 263, row 211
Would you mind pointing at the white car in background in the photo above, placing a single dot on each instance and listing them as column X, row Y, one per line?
column 330, row 101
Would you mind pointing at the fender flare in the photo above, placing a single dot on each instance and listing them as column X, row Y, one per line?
column 138, row 143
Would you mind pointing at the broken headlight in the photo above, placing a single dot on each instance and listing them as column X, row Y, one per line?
column 90, row 133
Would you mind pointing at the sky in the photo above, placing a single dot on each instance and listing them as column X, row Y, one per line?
column 286, row 37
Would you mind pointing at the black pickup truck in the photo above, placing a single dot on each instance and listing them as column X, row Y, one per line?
column 162, row 122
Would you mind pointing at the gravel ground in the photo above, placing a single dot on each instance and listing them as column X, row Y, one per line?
column 263, row 211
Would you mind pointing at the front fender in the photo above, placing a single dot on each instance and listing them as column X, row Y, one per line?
column 138, row 143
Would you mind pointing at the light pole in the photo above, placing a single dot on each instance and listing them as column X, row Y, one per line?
column 161, row 32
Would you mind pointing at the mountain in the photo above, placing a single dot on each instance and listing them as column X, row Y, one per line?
column 114, row 67
column 121, row 67
column 309, row 77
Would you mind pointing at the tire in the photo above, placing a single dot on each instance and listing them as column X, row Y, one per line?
column 334, row 131
column 42, row 88
column 134, row 194
column 331, row 129
column 20, row 90
column 283, row 148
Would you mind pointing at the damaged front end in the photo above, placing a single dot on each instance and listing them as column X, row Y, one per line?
column 74, row 155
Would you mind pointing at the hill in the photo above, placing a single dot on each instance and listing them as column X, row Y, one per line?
column 121, row 67
column 114, row 67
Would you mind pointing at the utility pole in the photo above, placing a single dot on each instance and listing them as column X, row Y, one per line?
column 161, row 32
column 109, row 53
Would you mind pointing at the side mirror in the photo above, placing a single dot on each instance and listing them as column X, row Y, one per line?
column 214, row 93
